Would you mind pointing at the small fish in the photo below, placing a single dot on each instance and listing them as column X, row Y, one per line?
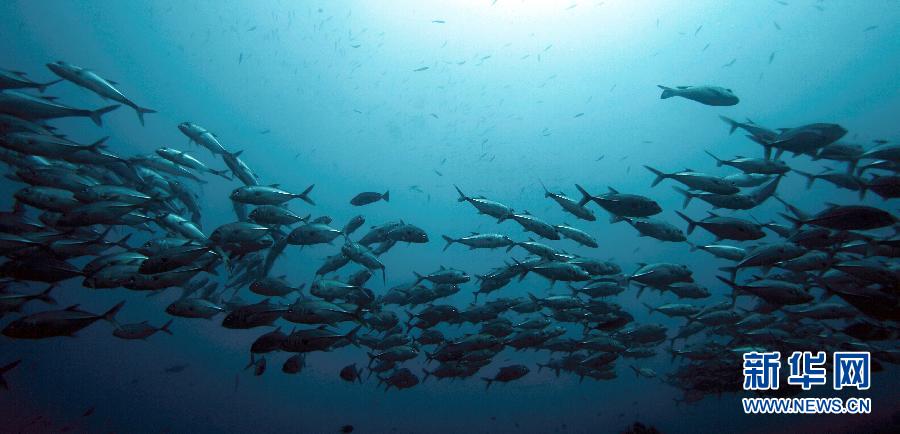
column 729, row 63
column 870, row 28
column 438, row 21
column 434, row 116
column 240, row 58
column 698, row 30
column 579, row 115
column 438, row 173
column 266, row 131
column 420, row 69
column 771, row 57
column 174, row 369
column 705, row 46
column 775, row 23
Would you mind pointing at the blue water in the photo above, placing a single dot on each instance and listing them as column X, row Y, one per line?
column 332, row 85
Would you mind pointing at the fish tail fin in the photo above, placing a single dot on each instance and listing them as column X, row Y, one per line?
column 110, row 315
column 731, row 123
column 687, row 196
column 141, row 111
column 427, row 374
column 305, row 195
column 96, row 115
column 419, row 277
column 795, row 221
column 462, row 196
column 691, row 223
column 448, row 240
column 489, row 381
column 123, row 242
column 650, row 309
column 351, row 335
column 719, row 161
column 372, row 358
column 659, row 176
column 585, row 196
column 668, row 92
column 99, row 144
column 45, row 295
column 386, row 196
column 223, row 173
column 730, row 282
column 43, row 86
column 165, row 327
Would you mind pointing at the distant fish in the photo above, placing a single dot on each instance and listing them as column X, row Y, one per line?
column 266, row 131
column 88, row 412
column 174, row 369
column 420, row 69
column 698, row 30
column 357, row 111
column 771, row 57
column 572, row 6
column 600, row 158
column 548, row 47
column 438, row 21
column 434, row 116
column 355, row 45
column 368, row 197
column 438, row 173
column 729, row 63
column 870, row 28
column 705, row 46
column 775, row 23
column 819, row 7
column 251, row 29
column 240, row 58
column 781, row 2
column 579, row 115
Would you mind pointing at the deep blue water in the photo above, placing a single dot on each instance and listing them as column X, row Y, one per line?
column 333, row 86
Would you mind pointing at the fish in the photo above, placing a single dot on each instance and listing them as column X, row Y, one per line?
column 707, row 95
column 93, row 82
column 369, row 197
column 40, row 108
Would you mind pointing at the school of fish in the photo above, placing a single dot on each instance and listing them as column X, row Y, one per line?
column 822, row 279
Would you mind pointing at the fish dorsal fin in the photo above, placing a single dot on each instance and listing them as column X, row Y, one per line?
column 237, row 153
column 612, row 190
column 442, row 268
column 73, row 307
column 473, row 233
column 682, row 87
column 112, row 82
column 275, row 185
column 712, row 214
